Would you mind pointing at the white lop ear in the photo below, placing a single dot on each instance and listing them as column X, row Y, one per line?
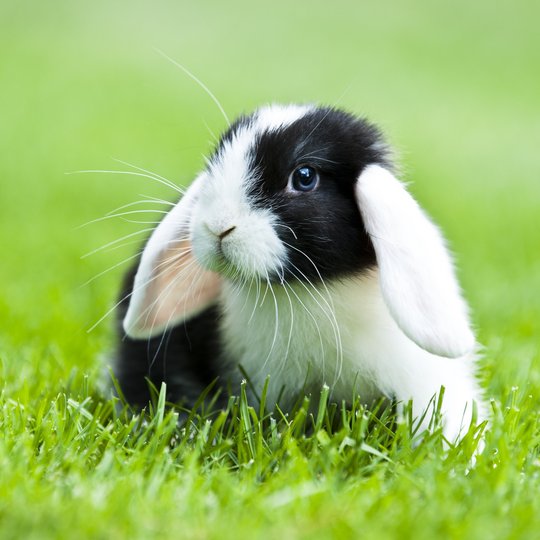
column 416, row 273
column 170, row 286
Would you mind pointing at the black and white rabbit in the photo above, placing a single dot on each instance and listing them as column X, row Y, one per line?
column 296, row 254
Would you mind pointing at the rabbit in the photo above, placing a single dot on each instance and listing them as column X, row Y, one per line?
column 297, row 259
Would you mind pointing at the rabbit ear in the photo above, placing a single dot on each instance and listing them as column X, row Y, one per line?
column 170, row 286
column 416, row 274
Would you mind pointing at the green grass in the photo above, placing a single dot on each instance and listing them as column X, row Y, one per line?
column 455, row 86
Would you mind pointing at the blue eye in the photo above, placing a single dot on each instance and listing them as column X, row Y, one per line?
column 304, row 178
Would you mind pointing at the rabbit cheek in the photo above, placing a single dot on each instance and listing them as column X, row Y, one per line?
column 253, row 248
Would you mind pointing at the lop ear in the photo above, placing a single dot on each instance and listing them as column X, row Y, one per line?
column 416, row 274
column 170, row 286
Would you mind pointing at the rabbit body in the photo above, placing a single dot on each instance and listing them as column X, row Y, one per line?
column 299, row 257
column 343, row 336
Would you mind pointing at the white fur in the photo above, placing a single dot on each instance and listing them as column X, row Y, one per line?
column 273, row 117
column 417, row 276
column 297, row 346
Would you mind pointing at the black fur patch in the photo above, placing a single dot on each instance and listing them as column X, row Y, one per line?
column 186, row 357
column 329, row 239
column 242, row 121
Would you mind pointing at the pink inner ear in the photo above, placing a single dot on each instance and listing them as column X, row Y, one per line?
column 177, row 289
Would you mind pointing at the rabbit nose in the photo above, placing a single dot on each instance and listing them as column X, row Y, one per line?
column 221, row 235
column 226, row 232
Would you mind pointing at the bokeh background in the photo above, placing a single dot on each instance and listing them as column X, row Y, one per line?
column 455, row 85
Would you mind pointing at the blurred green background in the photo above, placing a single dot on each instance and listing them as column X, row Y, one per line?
column 455, row 85
column 456, row 88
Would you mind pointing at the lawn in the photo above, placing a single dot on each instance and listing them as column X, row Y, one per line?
column 456, row 88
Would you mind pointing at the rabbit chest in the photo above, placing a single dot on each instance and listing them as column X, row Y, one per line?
column 301, row 336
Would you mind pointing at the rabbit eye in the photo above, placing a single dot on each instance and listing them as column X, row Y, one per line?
column 304, row 178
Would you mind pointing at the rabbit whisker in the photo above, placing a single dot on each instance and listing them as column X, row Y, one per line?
column 109, row 269
column 257, row 297
column 283, row 362
column 124, row 298
column 154, row 175
column 198, row 81
column 161, row 299
column 287, row 227
column 114, row 242
column 309, row 154
column 314, row 319
column 128, row 173
column 276, row 327
column 167, row 289
column 330, row 314
column 330, row 109
column 121, row 214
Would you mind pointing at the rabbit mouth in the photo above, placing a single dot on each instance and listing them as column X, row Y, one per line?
column 216, row 259
column 241, row 269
